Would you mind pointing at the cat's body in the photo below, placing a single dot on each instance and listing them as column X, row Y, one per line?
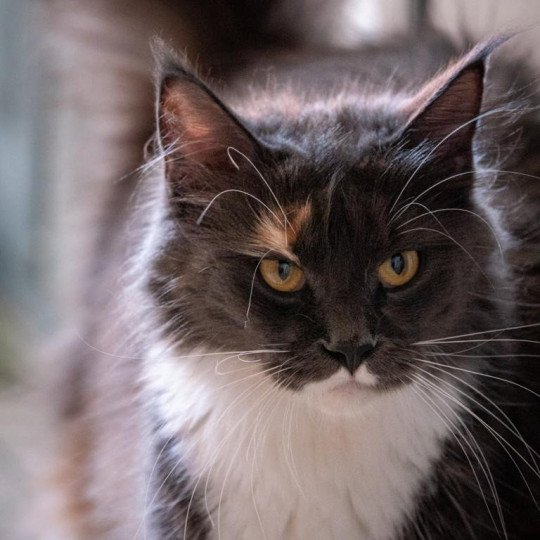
column 177, row 429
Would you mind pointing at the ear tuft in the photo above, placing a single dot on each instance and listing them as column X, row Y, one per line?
column 168, row 62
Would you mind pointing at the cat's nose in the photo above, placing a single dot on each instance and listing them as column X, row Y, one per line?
column 349, row 354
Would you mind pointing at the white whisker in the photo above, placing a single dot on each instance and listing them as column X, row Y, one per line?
column 484, row 466
column 488, row 375
column 494, row 330
column 442, row 141
column 503, row 442
column 404, row 208
column 457, row 244
column 433, row 212
column 232, row 190
column 253, row 286
column 285, row 219
column 509, row 425
column 512, row 340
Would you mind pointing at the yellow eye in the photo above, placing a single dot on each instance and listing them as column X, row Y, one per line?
column 283, row 276
column 398, row 269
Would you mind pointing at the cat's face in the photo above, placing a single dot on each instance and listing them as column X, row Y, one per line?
column 338, row 240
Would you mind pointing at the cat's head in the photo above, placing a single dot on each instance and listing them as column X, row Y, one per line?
column 338, row 229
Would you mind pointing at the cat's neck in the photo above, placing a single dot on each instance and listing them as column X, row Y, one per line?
column 255, row 451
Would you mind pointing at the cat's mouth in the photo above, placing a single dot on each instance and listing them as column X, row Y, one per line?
column 343, row 393
column 361, row 385
column 349, row 388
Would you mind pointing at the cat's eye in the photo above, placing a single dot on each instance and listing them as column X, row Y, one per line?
column 283, row 276
column 399, row 269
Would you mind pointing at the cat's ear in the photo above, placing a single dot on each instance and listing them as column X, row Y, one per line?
column 195, row 129
column 446, row 111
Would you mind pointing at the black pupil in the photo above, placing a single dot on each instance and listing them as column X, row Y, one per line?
column 398, row 263
column 284, row 270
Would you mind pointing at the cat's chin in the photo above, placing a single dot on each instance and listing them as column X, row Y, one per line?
column 342, row 394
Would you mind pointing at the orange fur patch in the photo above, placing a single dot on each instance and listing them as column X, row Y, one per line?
column 274, row 234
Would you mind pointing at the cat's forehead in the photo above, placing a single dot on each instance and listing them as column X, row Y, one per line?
column 327, row 200
column 346, row 132
column 340, row 215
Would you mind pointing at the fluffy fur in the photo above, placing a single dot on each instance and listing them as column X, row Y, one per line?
column 267, row 465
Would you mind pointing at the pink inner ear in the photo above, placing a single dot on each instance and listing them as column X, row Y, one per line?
column 199, row 127
column 447, row 107
column 186, row 124
column 450, row 102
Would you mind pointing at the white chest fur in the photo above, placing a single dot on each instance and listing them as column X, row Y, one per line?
column 271, row 466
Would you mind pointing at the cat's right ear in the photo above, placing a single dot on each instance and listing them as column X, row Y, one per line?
column 446, row 111
column 195, row 129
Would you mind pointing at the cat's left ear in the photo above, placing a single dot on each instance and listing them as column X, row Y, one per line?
column 195, row 129
column 445, row 112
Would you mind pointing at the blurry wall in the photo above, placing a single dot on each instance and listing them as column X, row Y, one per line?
column 99, row 116
column 485, row 17
column 21, row 158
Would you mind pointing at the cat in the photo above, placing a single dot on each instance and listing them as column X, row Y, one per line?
column 330, row 309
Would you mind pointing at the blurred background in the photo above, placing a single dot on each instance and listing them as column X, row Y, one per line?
column 75, row 111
